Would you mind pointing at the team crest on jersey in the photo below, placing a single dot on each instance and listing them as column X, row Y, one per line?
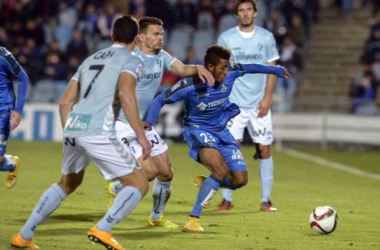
column 202, row 106
column 223, row 88
column 158, row 62
column 260, row 45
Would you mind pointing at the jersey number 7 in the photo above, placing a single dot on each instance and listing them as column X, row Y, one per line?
column 98, row 68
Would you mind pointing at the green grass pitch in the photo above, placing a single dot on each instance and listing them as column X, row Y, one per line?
column 299, row 186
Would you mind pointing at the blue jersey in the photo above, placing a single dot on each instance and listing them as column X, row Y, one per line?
column 260, row 47
column 9, row 69
column 207, row 108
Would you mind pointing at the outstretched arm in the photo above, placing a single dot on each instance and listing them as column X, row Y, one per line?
column 21, row 95
column 262, row 68
column 183, row 70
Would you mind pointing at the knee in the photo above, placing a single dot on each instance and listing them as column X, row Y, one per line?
column 240, row 180
column 150, row 171
column 220, row 172
column 166, row 175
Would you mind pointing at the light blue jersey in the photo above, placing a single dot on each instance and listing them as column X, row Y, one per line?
column 149, row 81
column 249, row 89
column 98, row 76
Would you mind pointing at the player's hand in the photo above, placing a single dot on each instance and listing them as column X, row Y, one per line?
column 15, row 119
column 283, row 72
column 146, row 126
column 145, row 145
column 205, row 76
column 263, row 107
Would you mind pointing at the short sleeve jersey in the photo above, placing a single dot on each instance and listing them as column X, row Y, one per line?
column 260, row 48
column 98, row 76
column 150, row 79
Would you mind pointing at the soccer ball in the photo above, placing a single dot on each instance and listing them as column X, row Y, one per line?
column 323, row 220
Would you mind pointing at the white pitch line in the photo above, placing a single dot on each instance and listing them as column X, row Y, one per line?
column 330, row 164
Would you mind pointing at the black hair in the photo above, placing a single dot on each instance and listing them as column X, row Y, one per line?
column 239, row 2
column 144, row 23
column 125, row 29
column 216, row 52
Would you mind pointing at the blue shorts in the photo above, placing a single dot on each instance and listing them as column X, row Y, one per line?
column 5, row 128
column 222, row 140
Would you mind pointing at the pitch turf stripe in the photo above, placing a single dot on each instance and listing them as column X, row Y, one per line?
column 330, row 164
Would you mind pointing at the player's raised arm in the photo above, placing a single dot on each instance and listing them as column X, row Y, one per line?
column 262, row 68
column 183, row 70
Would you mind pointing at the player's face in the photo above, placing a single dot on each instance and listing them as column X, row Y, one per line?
column 152, row 39
column 245, row 14
column 219, row 71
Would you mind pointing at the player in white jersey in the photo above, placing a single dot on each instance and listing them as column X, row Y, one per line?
column 158, row 166
column 252, row 44
column 104, row 83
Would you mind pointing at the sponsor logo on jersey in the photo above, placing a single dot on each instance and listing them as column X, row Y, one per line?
column 243, row 57
column 78, row 122
column 202, row 106
column 150, row 76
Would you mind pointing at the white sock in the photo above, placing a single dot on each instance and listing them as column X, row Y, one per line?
column 125, row 201
column 266, row 178
column 161, row 193
column 47, row 203
column 227, row 194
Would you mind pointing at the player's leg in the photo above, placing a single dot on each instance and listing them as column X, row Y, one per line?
column 212, row 160
column 8, row 162
column 260, row 130
column 236, row 127
column 161, row 189
column 74, row 162
column 115, row 161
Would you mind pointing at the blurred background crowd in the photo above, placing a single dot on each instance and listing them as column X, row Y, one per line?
column 50, row 38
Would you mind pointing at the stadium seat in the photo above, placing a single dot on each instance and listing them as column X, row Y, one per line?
column 43, row 91
column 202, row 39
column 179, row 40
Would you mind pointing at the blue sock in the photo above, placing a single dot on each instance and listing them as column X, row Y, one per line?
column 266, row 178
column 227, row 194
column 161, row 193
column 226, row 183
column 208, row 189
column 47, row 203
column 125, row 201
column 7, row 164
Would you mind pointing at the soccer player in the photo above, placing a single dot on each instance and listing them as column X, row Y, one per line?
column 250, row 43
column 207, row 111
column 10, row 110
column 104, row 83
column 158, row 166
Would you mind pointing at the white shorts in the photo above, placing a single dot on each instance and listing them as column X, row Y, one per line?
column 127, row 135
column 259, row 128
column 112, row 158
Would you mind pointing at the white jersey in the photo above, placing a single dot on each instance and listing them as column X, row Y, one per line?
column 249, row 89
column 98, row 76
column 150, row 79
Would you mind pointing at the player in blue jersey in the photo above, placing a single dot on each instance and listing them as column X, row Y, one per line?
column 207, row 111
column 250, row 43
column 158, row 166
column 103, row 86
column 10, row 110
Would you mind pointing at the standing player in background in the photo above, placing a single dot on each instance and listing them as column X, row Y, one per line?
column 252, row 93
column 10, row 110
column 104, row 83
column 158, row 166
column 207, row 111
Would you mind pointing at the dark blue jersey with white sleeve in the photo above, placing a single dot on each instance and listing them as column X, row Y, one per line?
column 207, row 107
column 9, row 69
